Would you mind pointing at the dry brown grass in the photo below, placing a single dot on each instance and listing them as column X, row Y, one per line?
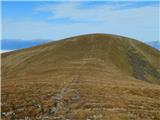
column 78, row 79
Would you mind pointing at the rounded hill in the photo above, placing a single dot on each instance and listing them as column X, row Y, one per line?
column 87, row 77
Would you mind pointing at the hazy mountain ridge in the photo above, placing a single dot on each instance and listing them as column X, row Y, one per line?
column 15, row 44
column 154, row 44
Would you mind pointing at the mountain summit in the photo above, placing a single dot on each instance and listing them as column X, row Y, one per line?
column 92, row 76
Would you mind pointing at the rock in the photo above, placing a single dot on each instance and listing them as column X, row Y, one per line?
column 52, row 110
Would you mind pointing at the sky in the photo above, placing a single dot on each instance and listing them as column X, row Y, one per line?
column 28, row 22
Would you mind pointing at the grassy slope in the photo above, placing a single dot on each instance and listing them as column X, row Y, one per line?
column 94, row 75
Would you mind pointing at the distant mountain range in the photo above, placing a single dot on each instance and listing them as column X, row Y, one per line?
column 14, row 44
column 154, row 44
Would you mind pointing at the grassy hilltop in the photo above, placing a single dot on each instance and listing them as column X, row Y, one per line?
column 87, row 77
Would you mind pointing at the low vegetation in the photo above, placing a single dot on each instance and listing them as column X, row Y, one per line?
column 88, row 77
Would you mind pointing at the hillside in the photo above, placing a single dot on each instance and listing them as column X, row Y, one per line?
column 87, row 77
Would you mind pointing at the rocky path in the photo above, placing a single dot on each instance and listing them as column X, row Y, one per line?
column 63, row 100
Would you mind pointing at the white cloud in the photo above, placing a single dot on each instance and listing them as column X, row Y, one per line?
column 141, row 23
column 3, row 51
column 101, row 12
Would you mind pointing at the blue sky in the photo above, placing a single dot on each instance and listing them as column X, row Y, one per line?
column 30, row 21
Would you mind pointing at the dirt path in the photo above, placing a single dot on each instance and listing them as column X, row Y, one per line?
column 63, row 100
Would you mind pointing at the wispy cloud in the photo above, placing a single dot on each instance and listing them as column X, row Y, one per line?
column 74, row 18
column 98, row 11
